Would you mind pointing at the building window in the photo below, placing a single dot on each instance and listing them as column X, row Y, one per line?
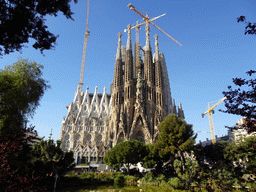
column 90, row 122
column 85, row 108
column 103, row 108
column 94, row 108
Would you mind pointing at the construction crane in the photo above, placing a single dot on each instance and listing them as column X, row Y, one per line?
column 210, row 113
column 147, row 20
column 87, row 33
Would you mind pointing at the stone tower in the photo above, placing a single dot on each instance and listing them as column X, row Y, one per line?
column 139, row 101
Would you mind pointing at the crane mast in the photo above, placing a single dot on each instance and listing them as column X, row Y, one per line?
column 210, row 112
column 87, row 33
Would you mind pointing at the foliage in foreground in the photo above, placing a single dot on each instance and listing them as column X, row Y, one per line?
column 128, row 152
column 50, row 160
column 28, row 17
column 21, row 89
column 17, row 169
column 241, row 101
column 175, row 139
column 91, row 179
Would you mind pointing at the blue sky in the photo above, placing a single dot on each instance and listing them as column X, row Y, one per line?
column 214, row 51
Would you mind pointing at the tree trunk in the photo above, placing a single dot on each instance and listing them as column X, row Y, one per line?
column 182, row 160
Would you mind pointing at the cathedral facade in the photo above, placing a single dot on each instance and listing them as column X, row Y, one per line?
column 140, row 99
column 84, row 129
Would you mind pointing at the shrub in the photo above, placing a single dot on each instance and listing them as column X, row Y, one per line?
column 83, row 176
column 148, row 178
column 177, row 165
column 161, row 179
column 119, row 181
column 91, row 176
column 103, row 178
column 131, row 179
column 176, row 182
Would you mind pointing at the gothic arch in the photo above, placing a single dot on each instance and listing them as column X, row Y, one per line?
column 140, row 130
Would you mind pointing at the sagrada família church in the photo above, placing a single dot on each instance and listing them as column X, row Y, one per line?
column 139, row 99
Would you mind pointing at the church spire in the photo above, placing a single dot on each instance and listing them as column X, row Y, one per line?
column 148, row 47
column 156, row 48
column 118, row 53
column 129, row 42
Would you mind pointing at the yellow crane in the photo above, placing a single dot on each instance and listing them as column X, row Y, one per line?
column 146, row 21
column 210, row 112
column 87, row 33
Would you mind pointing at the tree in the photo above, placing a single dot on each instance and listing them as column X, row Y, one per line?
column 50, row 160
column 153, row 156
column 21, row 89
column 16, row 173
column 250, row 27
column 244, row 150
column 241, row 101
column 128, row 152
column 176, row 137
column 21, row 20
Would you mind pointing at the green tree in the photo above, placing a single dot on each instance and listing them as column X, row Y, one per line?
column 21, row 89
column 128, row 152
column 153, row 155
column 28, row 20
column 244, row 150
column 16, row 166
column 50, row 161
column 176, row 137
column 241, row 101
column 214, row 152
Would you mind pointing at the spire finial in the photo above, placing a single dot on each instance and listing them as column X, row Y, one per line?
column 118, row 53
column 105, row 89
column 156, row 48
column 129, row 43
column 147, row 48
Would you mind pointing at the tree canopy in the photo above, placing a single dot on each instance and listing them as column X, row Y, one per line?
column 127, row 152
column 245, row 151
column 250, row 27
column 21, row 20
column 50, row 160
column 176, row 136
column 241, row 100
column 21, row 89
column 16, row 166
